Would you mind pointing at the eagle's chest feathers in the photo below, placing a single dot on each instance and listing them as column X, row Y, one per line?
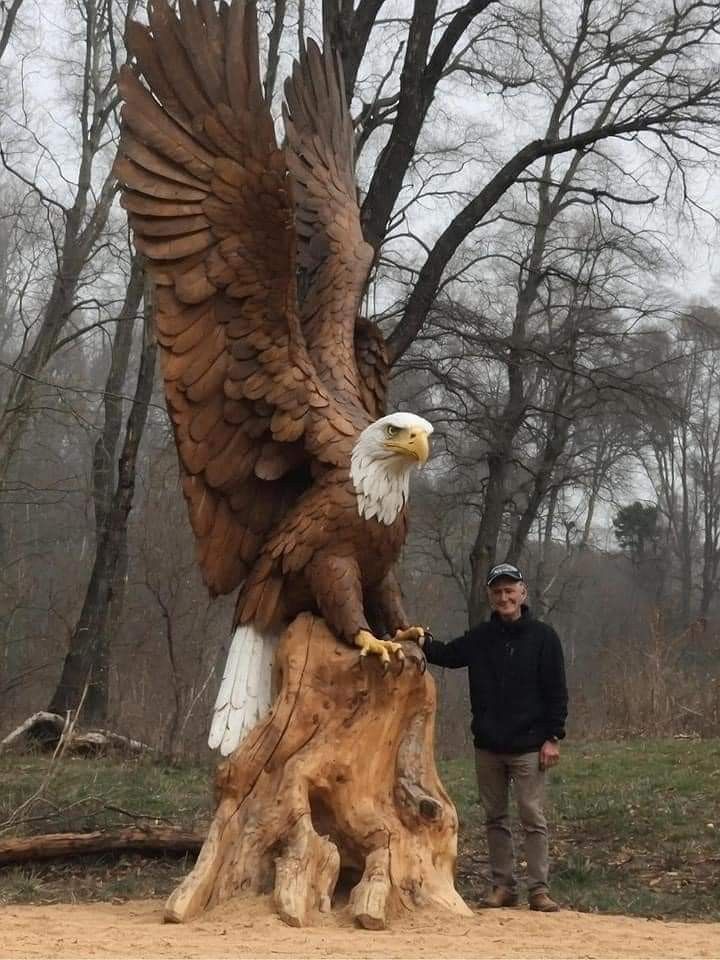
column 380, row 487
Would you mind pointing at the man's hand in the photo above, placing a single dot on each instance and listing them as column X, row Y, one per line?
column 549, row 755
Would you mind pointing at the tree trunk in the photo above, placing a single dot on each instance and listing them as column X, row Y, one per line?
column 589, row 515
column 339, row 777
column 11, row 11
column 540, row 586
column 710, row 560
column 273, row 58
column 686, row 534
column 484, row 552
column 87, row 658
column 554, row 447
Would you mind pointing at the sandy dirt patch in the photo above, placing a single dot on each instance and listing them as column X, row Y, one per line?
column 249, row 929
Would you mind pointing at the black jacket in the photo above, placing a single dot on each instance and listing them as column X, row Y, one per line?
column 516, row 673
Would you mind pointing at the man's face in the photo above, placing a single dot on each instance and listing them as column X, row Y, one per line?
column 506, row 597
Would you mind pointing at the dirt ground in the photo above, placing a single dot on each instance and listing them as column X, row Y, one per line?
column 249, row 929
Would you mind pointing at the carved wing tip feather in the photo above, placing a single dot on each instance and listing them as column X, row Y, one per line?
column 331, row 251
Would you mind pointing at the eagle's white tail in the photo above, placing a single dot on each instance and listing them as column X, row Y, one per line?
column 244, row 695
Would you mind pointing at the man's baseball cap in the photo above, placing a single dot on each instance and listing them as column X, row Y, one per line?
column 508, row 570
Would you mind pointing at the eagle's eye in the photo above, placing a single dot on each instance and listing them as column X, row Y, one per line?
column 390, row 430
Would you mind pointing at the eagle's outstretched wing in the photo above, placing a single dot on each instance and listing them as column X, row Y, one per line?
column 210, row 202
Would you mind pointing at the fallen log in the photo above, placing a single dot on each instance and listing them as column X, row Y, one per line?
column 152, row 839
column 49, row 727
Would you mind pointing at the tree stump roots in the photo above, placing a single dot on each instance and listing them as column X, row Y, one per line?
column 340, row 776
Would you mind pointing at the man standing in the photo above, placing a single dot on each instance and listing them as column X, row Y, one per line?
column 518, row 697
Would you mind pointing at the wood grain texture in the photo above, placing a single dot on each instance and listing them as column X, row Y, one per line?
column 340, row 776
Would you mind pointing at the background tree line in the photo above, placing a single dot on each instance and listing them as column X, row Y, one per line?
column 530, row 174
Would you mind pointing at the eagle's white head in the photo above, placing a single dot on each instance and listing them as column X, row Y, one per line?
column 381, row 462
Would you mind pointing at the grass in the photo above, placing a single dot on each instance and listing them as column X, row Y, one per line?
column 97, row 794
column 91, row 794
column 635, row 826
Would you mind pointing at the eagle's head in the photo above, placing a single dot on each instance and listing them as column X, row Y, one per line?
column 382, row 458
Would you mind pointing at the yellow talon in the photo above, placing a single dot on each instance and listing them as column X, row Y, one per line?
column 382, row 648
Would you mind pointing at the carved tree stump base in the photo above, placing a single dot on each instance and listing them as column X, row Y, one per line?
column 340, row 775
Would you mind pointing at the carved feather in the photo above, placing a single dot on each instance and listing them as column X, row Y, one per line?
column 262, row 391
column 320, row 139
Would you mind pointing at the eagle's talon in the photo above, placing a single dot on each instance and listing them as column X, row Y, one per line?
column 397, row 664
column 415, row 654
column 381, row 648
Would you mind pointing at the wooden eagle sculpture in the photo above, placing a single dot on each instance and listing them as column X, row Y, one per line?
column 296, row 482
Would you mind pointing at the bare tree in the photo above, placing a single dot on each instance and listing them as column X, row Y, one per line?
column 77, row 228
column 86, row 659
column 568, row 348
column 646, row 99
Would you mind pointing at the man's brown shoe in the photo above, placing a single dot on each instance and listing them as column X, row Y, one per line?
column 544, row 903
column 500, row 897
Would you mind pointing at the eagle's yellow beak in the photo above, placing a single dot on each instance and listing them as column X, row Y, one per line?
column 413, row 443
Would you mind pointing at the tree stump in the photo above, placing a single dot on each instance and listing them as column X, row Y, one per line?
column 339, row 777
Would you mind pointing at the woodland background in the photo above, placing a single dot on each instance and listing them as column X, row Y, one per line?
column 537, row 180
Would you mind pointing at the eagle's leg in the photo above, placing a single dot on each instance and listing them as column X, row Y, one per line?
column 386, row 598
column 336, row 584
